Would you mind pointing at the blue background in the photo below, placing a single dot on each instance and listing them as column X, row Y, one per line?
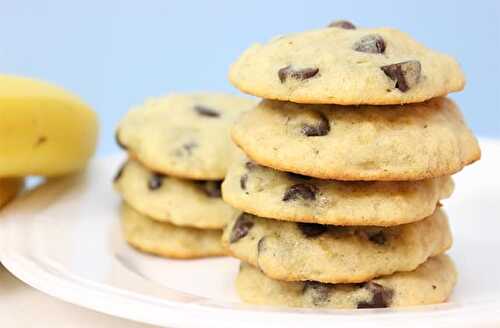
column 116, row 53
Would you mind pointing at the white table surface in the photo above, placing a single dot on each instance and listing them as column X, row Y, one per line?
column 22, row 306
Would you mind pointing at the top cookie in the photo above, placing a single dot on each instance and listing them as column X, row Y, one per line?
column 410, row 142
column 183, row 135
column 335, row 65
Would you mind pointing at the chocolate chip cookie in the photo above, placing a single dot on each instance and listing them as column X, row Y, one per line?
column 183, row 135
column 334, row 254
column 164, row 239
column 192, row 203
column 411, row 142
column 346, row 66
column 432, row 282
column 286, row 196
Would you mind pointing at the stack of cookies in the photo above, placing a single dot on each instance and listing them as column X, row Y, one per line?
column 345, row 163
column 178, row 153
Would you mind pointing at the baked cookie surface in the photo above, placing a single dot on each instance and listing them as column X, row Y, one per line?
column 167, row 240
column 334, row 254
column 432, row 282
column 191, row 203
column 378, row 66
column 265, row 192
column 411, row 142
column 184, row 135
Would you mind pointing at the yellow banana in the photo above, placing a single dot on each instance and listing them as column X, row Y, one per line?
column 44, row 130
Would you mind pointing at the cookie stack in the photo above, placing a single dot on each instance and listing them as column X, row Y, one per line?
column 345, row 163
column 178, row 152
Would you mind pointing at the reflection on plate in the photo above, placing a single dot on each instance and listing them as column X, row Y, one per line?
column 64, row 239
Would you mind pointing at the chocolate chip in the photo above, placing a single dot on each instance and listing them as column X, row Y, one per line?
column 243, row 181
column 211, row 188
column 241, row 227
column 297, row 74
column 321, row 128
column 320, row 292
column 118, row 141
column 378, row 238
column 311, row 230
column 188, row 147
column 434, row 287
column 305, row 191
column 342, row 24
column 206, row 111
column 155, row 181
column 372, row 43
column 381, row 296
column 119, row 173
column 406, row 74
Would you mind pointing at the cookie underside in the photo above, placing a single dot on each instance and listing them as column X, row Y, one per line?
column 164, row 239
column 394, row 143
column 432, row 282
column 169, row 199
column 335, row 254
column 274, row 194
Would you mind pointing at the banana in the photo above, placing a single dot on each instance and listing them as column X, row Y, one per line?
column 44, row 130
column 9, row 187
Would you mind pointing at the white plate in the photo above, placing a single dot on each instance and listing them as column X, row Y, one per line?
column 64, row 239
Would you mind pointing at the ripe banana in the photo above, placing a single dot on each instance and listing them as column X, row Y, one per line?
column 44, row 130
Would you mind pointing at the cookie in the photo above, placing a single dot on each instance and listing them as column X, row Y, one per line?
column 192, row 203
column 334, row 254
column 9, row 188
column 168, row 240
column 265, row 192
column 378, row 66
column 432, row 282
column 411, row 142
column 184, row 135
